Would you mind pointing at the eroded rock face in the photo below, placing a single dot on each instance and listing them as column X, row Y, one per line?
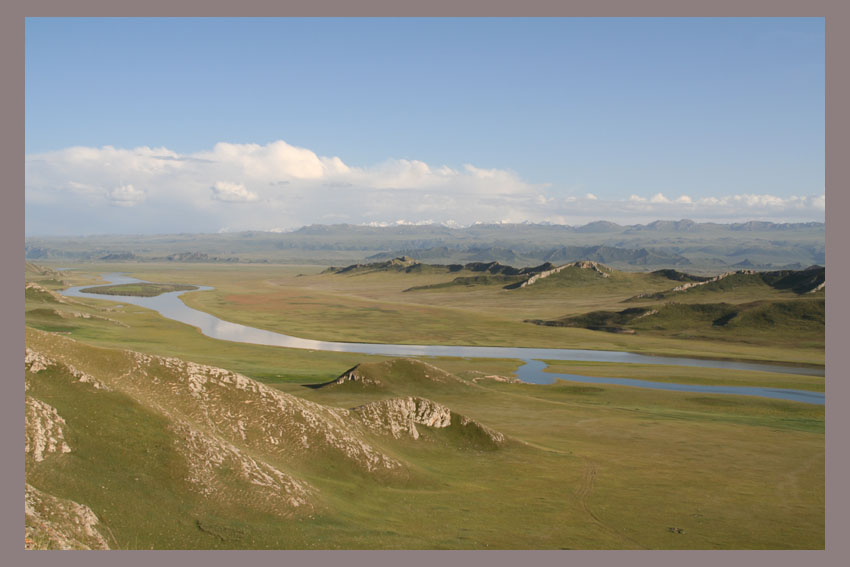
column 399, row 416
column 36, row 362
column 43, row 430
column 242, row 410
column 56, row 523
column 214, row 464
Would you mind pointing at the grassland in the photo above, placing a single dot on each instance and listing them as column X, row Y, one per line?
column 596, row 467
column 374, row 307
column 586, row 466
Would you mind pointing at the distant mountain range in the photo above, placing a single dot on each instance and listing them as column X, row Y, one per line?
column 704, row 247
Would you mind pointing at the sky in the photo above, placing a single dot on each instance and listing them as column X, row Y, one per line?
column 137, row 125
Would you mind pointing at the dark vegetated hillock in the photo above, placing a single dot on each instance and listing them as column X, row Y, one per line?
column 471, row 281
column 675, row 275
column 401, row 264
column 138, row 289
column 118, row 257
column 611, row 321
column 799, row 317
column 799, row 281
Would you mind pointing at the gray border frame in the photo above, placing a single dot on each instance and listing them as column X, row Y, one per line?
column 12, row 226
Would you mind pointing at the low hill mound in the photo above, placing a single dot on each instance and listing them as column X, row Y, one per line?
column 400, row 264
column 392, row 375
column 36, row 292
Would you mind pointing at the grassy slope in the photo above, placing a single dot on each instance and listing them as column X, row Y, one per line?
column 657, row 458
column 606, row 467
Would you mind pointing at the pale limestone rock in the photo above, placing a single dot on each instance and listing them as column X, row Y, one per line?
column 43, row 430
column 59, row 523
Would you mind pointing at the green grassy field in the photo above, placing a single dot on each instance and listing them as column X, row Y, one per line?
column 585, row 466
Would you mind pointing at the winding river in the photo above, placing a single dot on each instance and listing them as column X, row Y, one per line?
column 171, row 306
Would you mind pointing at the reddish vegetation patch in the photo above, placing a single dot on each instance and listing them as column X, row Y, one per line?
column 257, row 302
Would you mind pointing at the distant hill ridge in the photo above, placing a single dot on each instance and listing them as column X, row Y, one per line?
column 496, row 273
column 809, row 280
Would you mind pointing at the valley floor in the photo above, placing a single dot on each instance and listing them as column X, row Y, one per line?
column 581, row 466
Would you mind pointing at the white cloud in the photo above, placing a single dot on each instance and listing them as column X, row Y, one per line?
column 232, row 193
column 126, row 196
column 280, row 185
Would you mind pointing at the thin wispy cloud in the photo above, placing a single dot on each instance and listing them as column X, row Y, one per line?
column 265, row 187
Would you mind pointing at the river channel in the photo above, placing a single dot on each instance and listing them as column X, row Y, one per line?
column 171, row 306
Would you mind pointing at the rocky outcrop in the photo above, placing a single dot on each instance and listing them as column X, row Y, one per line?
column 216, row 465
column 398, row 417
column 57, row 523
column 541, row 275
column 241, row 410
column 270, row 424
column 43, row 429
column 585, row 265
column 495, row 378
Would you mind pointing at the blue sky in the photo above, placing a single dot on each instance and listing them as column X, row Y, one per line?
column 569, row 119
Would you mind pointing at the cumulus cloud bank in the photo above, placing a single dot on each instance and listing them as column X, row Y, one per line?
column 232, row 192
column 266, row 187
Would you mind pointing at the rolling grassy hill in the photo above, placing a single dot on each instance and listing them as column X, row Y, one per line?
column 132, row 450
column 157, row 451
